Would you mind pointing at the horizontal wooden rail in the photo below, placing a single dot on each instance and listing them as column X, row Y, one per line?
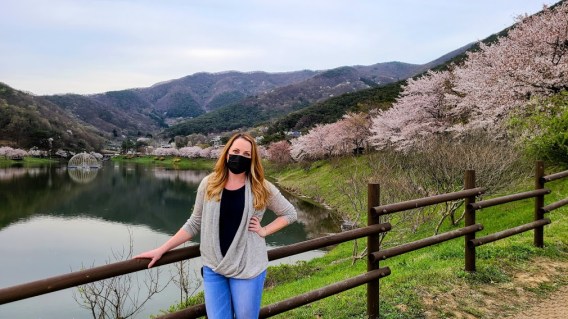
column 508, row 199
column 415, row 245
column 552, row 177
column 321, row 242
column 553, row 206
column 290, row 250
column 304, row 299
column 509, row 232
column 427, row 201
column 40, row 287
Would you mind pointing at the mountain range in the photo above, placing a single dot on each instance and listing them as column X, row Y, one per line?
column 202, row 102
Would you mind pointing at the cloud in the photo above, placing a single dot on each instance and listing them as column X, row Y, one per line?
column 73, row 42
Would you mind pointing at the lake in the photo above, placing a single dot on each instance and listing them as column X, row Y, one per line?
column 54, row 220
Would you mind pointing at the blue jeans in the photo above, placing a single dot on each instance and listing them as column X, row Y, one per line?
column 229, row 298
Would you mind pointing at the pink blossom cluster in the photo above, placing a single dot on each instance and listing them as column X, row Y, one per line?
column 11, row 153
column 279, row 152
column 163, row 151
column 327, row 140
column 37, row 153
column 481, row 94
column 189, row 152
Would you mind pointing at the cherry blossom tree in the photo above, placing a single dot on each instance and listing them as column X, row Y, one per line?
column 162, row 151
column 215, row 152
column 356, row 129
column 425, row 108
column 190, row 151
column 481, row 94
column 530, row 60
column 4, row 150
column 322, row 141
column 279, row 152
column 206, row 152
column 11, row 153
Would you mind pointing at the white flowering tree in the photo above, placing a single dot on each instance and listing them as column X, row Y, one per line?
column 279, row 152
column 481, row 94
column 163, row 151
column 425, row 108
column 321, row 141
column 190, row 151
column 11, row 153
column 530, row 60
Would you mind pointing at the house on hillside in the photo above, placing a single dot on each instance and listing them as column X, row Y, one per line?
column 293, row 134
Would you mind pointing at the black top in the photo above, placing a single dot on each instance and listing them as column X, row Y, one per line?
column 231, row 214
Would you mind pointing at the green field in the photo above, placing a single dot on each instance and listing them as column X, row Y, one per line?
column 26, row 162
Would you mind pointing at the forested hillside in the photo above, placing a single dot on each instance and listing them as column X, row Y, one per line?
column 131, row 116
column 333, row 109
column 28, row 121
column 258, row 109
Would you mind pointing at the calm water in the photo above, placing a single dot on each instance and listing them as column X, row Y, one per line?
column 54, row 220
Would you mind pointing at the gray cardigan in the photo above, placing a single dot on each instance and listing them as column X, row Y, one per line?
column 246, row 257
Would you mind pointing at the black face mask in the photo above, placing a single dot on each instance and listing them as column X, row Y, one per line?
column 238, row 164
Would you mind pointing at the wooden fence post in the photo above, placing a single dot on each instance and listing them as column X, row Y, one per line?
column 538, row 204
column 469, row 182
column 373, row 244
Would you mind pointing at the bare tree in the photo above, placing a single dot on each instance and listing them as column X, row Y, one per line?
column 382, row 168
column 121, row 296
column 438, row 167
column 181, row 279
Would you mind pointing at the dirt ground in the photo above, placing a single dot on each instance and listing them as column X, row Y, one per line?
column 555, row 307
column 520, row 298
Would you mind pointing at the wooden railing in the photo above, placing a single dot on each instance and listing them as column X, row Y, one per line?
column 371, row 232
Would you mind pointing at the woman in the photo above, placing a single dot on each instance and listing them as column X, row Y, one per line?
column 229, row 206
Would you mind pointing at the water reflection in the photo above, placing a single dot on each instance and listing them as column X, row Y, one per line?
column 61, row 224
column 83, row 175
column 190, row 177
column 11, row 173
column 130, row 194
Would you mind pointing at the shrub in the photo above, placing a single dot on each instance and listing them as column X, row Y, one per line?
column 543, row 128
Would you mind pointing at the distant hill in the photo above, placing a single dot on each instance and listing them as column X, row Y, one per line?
column 123, row 112
column 148, row 110
column 325, row 85
column 27, row 121
column 218, row 102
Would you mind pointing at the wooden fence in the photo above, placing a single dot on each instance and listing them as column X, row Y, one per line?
column 372, row 232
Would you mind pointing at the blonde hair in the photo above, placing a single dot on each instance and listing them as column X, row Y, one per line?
column 256, row 174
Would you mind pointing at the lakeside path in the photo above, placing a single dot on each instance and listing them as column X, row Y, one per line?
column 555, row 307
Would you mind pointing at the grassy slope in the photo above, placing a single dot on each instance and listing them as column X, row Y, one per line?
column 431, row 283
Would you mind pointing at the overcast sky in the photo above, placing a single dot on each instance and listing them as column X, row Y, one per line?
column 92, row 46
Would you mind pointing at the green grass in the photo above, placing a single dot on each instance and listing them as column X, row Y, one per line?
column 432, row 271
column 26, row 162
column 431, row 281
